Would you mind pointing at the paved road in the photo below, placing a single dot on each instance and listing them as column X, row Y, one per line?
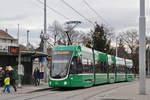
column 93, row 93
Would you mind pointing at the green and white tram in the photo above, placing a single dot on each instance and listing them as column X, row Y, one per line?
column 78, row 66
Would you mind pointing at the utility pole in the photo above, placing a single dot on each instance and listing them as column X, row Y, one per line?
column 19, row 62
column 18, row 35
column 148, row 60
column 45, row 47
column 142, row 46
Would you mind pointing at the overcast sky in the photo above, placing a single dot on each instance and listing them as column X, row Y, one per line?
column 119, row 14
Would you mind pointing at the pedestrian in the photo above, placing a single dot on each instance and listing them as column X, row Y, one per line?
column 12, row 78
column 36, row 76
column 2, row 74
column 1, row 77
column 7, row 83
column 7, row 70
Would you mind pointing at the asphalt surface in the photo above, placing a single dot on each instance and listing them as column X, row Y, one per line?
column 118, row 91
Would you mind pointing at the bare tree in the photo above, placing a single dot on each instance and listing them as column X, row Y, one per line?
column 55, row 31
column 59, row 36
column 121, row 49
column 130, row 38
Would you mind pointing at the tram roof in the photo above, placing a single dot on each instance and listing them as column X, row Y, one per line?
column 87, row 52
column 67, row 48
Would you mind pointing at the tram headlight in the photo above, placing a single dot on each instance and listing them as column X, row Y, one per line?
column 50, row 83
column 65, row 83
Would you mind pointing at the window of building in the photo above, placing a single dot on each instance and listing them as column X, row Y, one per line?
column 11, row 41
column 1, row 48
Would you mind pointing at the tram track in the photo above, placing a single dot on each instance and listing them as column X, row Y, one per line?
column 98, row 92
column 71, row 94
column 31, row 93
column 79, row 92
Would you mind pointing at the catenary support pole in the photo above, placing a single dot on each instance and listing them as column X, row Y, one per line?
column 142, row 46
column 148, row 60
column 45, row 47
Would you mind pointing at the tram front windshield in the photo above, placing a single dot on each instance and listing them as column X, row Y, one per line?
column 60, row 64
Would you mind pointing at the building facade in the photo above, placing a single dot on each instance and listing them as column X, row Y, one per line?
column 6, row 40
column 8, row 58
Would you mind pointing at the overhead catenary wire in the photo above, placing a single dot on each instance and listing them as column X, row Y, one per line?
column 38, row 5
column 77, row 12
column 55, row 11
column 96, row 12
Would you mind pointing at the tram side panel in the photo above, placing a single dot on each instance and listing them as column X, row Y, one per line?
column 111, row 68
column 101, row 72
column 129, row 70
column 111, row 73
column 130, row 75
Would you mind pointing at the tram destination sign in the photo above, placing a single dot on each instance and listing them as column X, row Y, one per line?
column 62, row 52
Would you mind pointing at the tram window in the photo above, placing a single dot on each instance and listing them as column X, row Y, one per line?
column 91, row 66
column 103, row 67
column 120, row 69
column 79, row 65
column 76, row 66
column 73, row 66
column 98, row 65
column 129, row 70
column 86, row 63
column 111, row 68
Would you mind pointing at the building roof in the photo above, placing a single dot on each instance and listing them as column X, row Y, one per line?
column 5, row 35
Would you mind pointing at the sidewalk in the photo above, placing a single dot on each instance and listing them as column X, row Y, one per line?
column 29, row 88
column 129, row 92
